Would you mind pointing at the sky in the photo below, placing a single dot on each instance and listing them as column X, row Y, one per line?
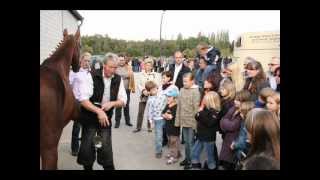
column 141, row 25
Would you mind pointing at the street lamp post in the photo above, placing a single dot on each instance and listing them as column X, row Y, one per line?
column 160, row 33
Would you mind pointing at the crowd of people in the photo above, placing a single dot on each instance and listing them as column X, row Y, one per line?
column 195, row 100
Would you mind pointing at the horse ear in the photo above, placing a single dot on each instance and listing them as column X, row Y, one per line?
column 65, row 33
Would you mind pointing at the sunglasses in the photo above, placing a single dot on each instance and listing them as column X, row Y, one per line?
column 272, row 64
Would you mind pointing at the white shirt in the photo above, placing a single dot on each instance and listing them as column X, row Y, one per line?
column 71, row 77
column 82, row 84
column 177, row 69
column 122, row 95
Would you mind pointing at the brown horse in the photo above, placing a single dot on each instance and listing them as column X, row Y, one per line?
column 57, row 102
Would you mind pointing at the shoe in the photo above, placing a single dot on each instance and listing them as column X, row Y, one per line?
column 128, row 124
column 88, row 168
column 172, row 160
column 117, row 126
column 183, row 163
column 179, row 155
column 110, row 167
column 188, row 166
column 196, row 166
column 164, row 144
column 205, row 166
column 168, row 156
column 137, row 130
column 158, row 155
column 149, row 130
column 74, row 153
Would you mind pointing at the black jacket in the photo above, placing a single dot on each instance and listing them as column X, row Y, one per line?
column 169, row 126
column 179, row 81
column 207, row 124
column 211, row 56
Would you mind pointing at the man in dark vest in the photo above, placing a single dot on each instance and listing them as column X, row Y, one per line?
column 98, row 99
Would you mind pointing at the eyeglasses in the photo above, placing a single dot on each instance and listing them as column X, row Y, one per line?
column 250, row 69
column 271, row 64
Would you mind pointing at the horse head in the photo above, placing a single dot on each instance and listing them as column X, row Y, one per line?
column 76, row 52
column 75, row 59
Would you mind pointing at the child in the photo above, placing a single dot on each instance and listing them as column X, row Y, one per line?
column 262, row 99
column 187, row 108
column 155, row 104
column 169, row 115
column 227, row 92
column 230, row 125
column 240, row 145
column 273, row 103
column 210, row 84
column 207, row 126
column 166, row 86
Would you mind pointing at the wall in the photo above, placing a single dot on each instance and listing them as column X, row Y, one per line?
column 52, row 23
column 260, row 45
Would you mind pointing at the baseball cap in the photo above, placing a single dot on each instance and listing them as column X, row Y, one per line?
column 172, row 92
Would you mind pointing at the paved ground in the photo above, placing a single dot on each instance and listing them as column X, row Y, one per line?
column 131, row 151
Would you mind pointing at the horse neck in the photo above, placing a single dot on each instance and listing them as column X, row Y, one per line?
column 62, row 58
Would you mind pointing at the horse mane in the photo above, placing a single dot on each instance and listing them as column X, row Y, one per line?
column 60, row 49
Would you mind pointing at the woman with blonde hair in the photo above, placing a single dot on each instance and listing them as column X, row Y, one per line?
column 227, row 92
column 263, row 133
column 207, row 126
column 145, row 76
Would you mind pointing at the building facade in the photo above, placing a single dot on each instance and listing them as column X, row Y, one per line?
column 52, row 24
column 260, row 45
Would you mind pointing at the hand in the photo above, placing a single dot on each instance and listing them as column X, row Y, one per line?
column 232, row 146
column 165, row 116
column 103, row 118
column 145, row 92
column 169, row 116
column 241, row 115
column 106, row 106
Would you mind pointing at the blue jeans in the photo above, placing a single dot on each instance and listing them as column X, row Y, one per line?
column 158, row 129
column 188, row 136
column 197, row 149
